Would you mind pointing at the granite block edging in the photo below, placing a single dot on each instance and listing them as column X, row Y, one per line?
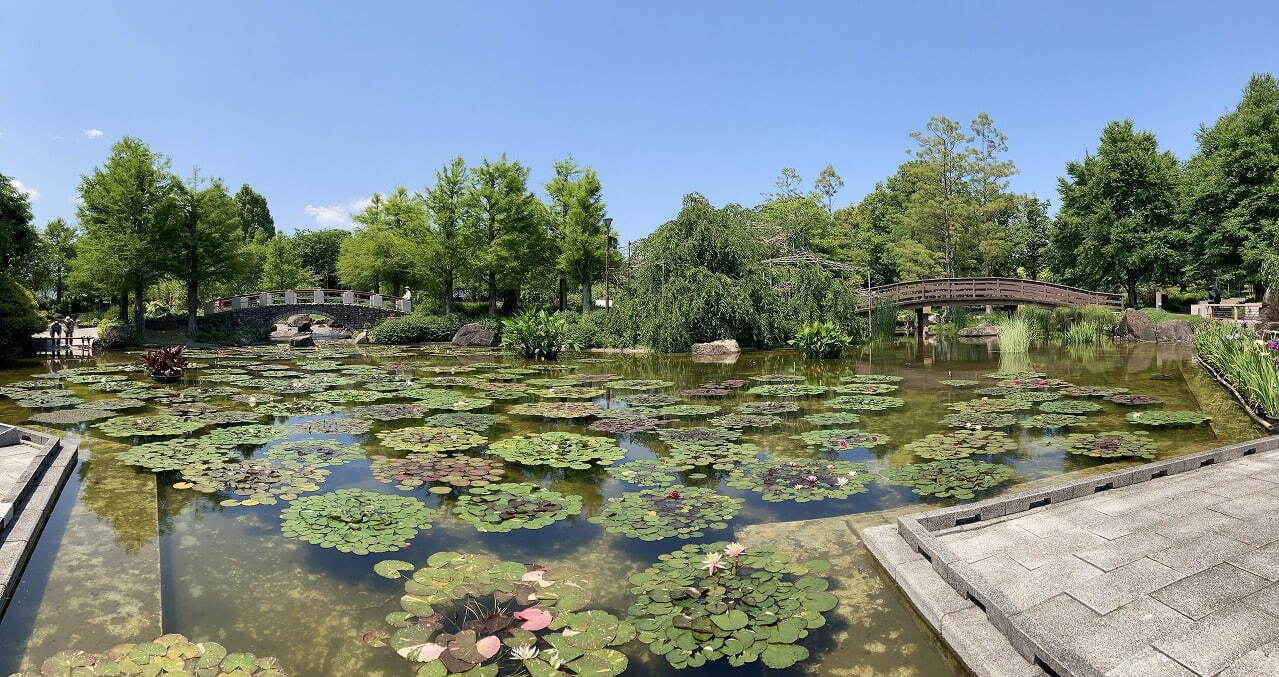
column 918, row 532
column 37, row 494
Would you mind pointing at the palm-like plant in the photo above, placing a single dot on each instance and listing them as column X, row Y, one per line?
column 165, row 364
column 538, row 334
column 821, row 340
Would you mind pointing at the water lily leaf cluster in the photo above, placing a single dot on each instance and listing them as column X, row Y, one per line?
column 650, row 400
column 957, row 478
column 420, row 468
column 786, row 407
column 788, row 390
column 389, row 412
column 1014, row 375
column 626, row 425
column 177, row 454
column 571, row 392
column 252, row 482
column 745, row 421
column 69, row 416
column 246, row 435
column 1113, row 444
column 154, row 425
column 675, row 512
column 1133, row 400
column 988, row 405
column 331, row 426
column 777, row 378
column 698, row 434
column 357, row 521
column 1075, row 407
column 1092, row 391
column 558, row 450
column 707, row 602
column 961, row 444
column 1054, row 421
column 463, row 419
column 864, row 388
column 296, row 408
column 431, row 438
column 833, row 418
column 646, row 472
column 516, row 505
column 978, row 419
column 165, row 655
column 865, row 402
column 872, row 378
column 556, row 409
column 1167, row 417
column 960, row 382
column 688, row 410
column 315, row 452
column 801, row 479
column 640, row 384
column 841, row 438
column 718, row 455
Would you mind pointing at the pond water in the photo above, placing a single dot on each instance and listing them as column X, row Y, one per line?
column 126, row 556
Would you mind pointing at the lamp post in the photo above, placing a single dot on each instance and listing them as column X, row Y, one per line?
column 608, row 242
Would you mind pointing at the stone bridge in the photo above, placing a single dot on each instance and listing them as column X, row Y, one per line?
column 352, row 309
column 982, row 291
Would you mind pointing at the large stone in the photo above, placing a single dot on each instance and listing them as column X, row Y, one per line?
column 300, row 322
column 302, row 341
column 1270, row 306
column 980, row 330
column 721, row 347
column 1174, row 331
column 1135, row 325
column 474, row 334
column 361, row 338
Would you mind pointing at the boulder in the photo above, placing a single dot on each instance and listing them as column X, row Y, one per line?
column 302, row 341
column 361, row 338
column 1174, row 331
column 982, row 329
column 1270, row 306
column 474, row 334
column 1135, row 325
column 721, row 347
column 299, row 320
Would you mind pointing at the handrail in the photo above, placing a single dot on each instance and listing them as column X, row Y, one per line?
column 980, row 289
column 289, row 297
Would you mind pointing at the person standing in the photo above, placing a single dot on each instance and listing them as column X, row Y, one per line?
column 55, row 334
column 408, row 294
column 69, row 329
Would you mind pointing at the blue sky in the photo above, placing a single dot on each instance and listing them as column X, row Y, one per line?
column 320, row 104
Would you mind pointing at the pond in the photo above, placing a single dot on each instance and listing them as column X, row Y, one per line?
column 235, row 548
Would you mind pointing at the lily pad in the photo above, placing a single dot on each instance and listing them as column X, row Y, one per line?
column 957, row 478
column 357, row 521
column 677, row 512
column 719, row 456
column 830, row 418
column 739, row 421
column 166, row 655
column 431, row 438
column 1092, row 391
column 961, row 444
column 177, row 454
column 246, row 435
column 646, row 472
column 698, row 434
column 865, row 402
column 787, row 390
column 1133, row 400
column 978, row 419
column 650, row 400
column 252, row 482
column 841, row 438
column 316, row 453
column 463, row 419
column 155, row 425
column 421, row 468
column 1167, row 417
column 1054, row 421
column 801, row 479
column 960, row 382
column 331, row 426
column 1074, row 407
column 295, row 408
column 521, row 505
column 626, row 426
column 688, row 410
column 768, row 408
column 1114, row 444
column 556, row 409
column 558, row 450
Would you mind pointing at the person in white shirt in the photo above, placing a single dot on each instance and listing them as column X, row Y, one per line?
column 408, row 294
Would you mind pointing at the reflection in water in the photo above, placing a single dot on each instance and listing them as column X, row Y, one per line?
column 229, row 575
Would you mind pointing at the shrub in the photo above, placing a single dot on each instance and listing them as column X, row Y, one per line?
column 165, row 362
column 224, row 331
column 1244, row 360
column 417, row 328
column 20, row 316
column 821, row 340
column 538, row 334
column 114, row 334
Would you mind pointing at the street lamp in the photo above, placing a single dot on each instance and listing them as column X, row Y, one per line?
column 608, row 248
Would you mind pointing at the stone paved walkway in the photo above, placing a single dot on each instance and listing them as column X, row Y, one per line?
column 15, row 462
column 1176, row 576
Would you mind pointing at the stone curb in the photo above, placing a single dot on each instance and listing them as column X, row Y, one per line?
column 37, row 495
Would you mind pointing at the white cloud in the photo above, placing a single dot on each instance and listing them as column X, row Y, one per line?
column 31, row 193
column 337, row 216
column 92, row 133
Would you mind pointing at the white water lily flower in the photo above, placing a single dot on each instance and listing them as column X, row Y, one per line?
column 524, row 653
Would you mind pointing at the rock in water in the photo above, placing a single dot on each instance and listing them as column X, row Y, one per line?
column 721, row 347
column 361, row 338
column 980, row 330
column 1174, row 331
column 301, row 322
column 302, row 341
column 474, row 334
column 1135, row 325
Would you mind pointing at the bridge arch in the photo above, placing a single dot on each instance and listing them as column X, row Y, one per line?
column 976, row 291
column 353, row 309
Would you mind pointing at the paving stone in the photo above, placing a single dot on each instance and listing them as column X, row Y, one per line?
column 1264, row 561
column 1200, row 594
column 983, row 647
column 1149, row 663
column 1201, row 552
column 1267, row 599
column 1189, row 501
column 1215, row 641
column 932, row 596
column 889, row 547
column 1257, row 530
column 1240, row 488
column 982, row 544
column 1056, row 618
column 1125, row 549
column 1058, row 518
column 1127, row 523
column 1125, row 632
column 1048, row 581
column 1248, row 506
column 1121, row 586
column 1188, row 526
column 1000, row 568
column 1056, row 546
column 1260, row 662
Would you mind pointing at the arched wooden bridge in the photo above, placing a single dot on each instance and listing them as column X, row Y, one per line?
column 263, row 309
column 981, row 291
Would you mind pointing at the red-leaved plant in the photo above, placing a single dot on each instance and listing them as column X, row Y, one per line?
column 167, row 362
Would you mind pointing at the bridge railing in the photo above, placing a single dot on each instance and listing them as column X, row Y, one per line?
column 983, row 290
column 291, row 297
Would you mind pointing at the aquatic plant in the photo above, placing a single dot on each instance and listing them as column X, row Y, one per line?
column 113, row 403
column 777, row 378
column 1133, row 400
column 349, row 396
column 698, row 434
column 464, row 419
column 726, row 384
column 1015, row 334
column 1167, row 417
column 446, row 400
column 246, row 435
column 841, row 438
column 745, row 421
column 987, row 405
column 829, row 418
column 978, row 419
column 420, row 468
column 551, row 382
column 787, row 390
column 537, row 334
column 705, row 392
column 474, row 614
column 647, row 472
column 45, row 400
column 1014, row 374
column 170, row 654
column 864, row 388
column 69, row 416
column 640, row 384
column 356, row 521
column 177, row 454
column 821, row 340
column 1244, row 360
column 558, row 450
column 959, row 382
column 1113, row 444
column 431, row 438
column 1034, row 395
column 517, row 505
column 801, row 479
column 872, row 378
column 961, row 444
column 956, row 478
column 388, row 412
column 630, row 412
column 718, row 455
column 787, row 407
column 1092, row 391
column 571, row 392
column 154, row 425
column 1069, row 407
column 331, row 426
column 556, row 409
column 650, row 400
column 688, row 410
column 315, row 453
column 1054, row 421
column 864, row 402
column 654, row 514
column 626, row 425
column 295, row 408
column 254, row 482
column 706, row 602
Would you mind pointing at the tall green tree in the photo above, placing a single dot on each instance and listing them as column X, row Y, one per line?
column 450, row 226
column 254, row 215
column 206, row 243
column 939, row 207
column 1232, row 190
column 280, row 267
column 1118, row 220
column 577, row 208
column 508, row 228
column 318, row 252
column 827, row 186
column 57, row 252
column 384, row 252
column 128, row 211
column 18, row 237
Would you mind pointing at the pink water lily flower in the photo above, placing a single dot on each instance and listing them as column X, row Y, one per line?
column 830, row 466
column 734, row 550
column 713, row 563
column 811, row 478
column 842, row 444
column 535, row 618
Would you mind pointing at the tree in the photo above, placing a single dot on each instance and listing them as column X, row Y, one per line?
column 914, row 261
column 1232, row 190
column 280, row 268
column 253, row 213
column 938, row 205
column 577, row 209
column 18, row 237
column 450, row 226
column 1117, row 224
column 385, row 251
column 318, row 250
column 1028, row 235
column 57, row 252
column 507, row 228
column 206, row 240
column 127, row 210
column 788, row 182
column 828, row 185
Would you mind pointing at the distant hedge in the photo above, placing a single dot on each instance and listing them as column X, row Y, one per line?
column 422, row 328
